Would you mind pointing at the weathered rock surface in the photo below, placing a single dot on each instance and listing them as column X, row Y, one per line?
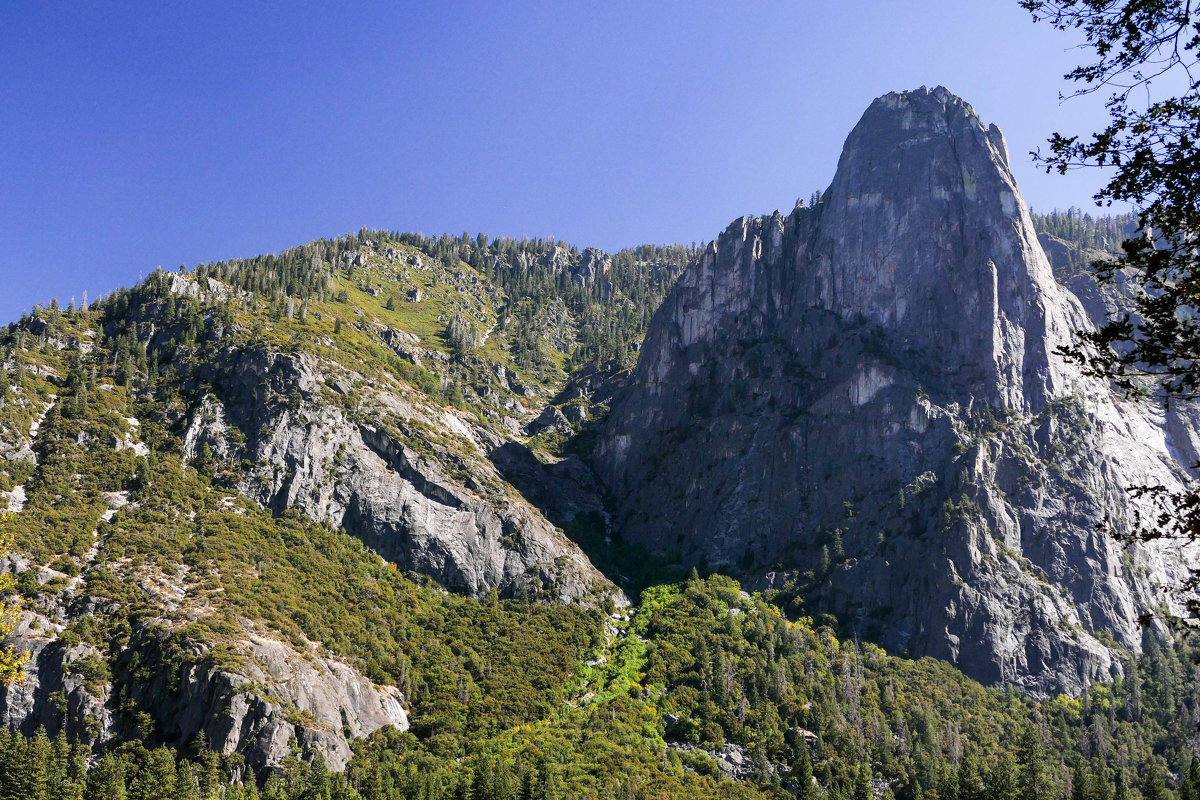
column 863, row 401
column 551, row 419
column 272, row 694
column 55, row 692
column 254, row 706
column 1071, row 266
column 586, row 268
column 593, row 266
column 411, row 480
column 735, row 761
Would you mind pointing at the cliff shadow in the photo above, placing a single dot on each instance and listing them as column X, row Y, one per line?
column 570, row 496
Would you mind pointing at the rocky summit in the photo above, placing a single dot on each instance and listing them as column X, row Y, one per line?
column 862, row 401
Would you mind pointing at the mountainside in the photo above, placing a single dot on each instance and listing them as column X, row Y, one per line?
column 861, row 402
column 390, row 516
column 179, row 455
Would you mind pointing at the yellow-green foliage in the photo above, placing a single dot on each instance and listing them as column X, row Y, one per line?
column 12, row 661
column 735, row 669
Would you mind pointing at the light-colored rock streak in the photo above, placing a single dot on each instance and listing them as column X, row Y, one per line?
column 16, row 497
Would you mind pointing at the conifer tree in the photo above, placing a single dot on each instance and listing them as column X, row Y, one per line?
column 1153, row 787
column 1031, row 780
column 802, row 773
column 1079, row 783
column 1001, row 783
column 26, row 774
column 947, row 784
column 156, row 780
column 1189, row 782
column 208, row 769
column 186, row 787
column 1120, row 788
column 862, row 783
column 106, row 780
column 970, row 786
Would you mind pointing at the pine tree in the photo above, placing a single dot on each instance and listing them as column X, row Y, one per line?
column 1031, row 781
column 106, row 780
column 25, row 778
column 947, row 783
column 1098, row 784
column 549, row 783
column 1079, row 783
column 1001, row 783
column 77, row 770
column 970, row 786
column 862, row 783
column 528, row 785
column 274, row 789
column 58, row 781
column 802, row 772
column 156, row 780
column 318, row 781
column 186, row 787
column 1153, row 787
column 1189, row 783
column 463, row 786
column 208, row 769
column 1120, row 789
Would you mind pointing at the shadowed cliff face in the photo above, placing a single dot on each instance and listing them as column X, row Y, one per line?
column 862, row 400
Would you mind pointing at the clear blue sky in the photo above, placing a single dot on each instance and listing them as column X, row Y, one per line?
column 134, row 134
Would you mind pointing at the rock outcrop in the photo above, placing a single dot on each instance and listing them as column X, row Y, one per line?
column 593, row 266
column 270, row 695
column 586, row 268
column 862, row 402
column 56, row 691
column 409, row 479
column 262, row 699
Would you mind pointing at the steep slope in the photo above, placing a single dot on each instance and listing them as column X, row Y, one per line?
column 380, row 469
column 861, row 402
column 196, row 464
column 706, row 691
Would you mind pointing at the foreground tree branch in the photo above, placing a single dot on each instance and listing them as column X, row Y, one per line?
column 1146, row 56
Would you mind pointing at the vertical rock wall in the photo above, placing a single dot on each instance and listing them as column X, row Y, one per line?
column 863, row 401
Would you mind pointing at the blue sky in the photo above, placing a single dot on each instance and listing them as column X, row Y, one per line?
column 134, row 135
